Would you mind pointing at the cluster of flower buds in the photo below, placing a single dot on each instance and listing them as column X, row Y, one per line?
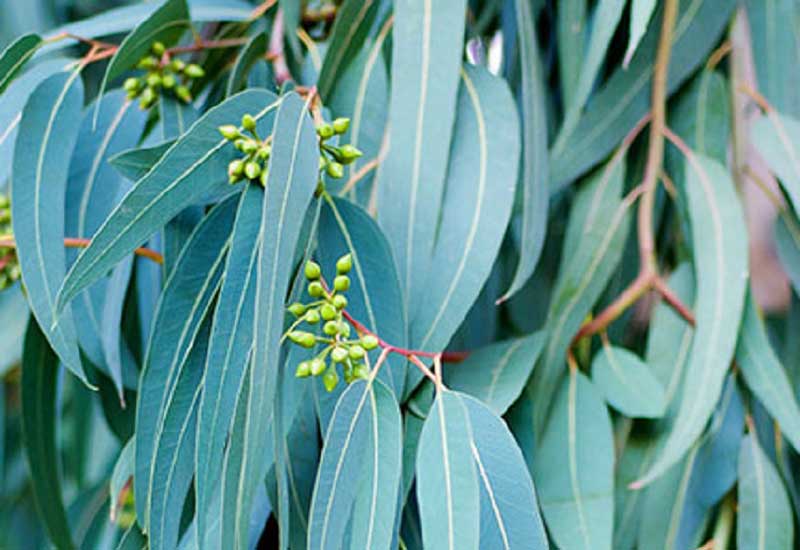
column 162, row 74
column 333, row 158
column 326, row 310
column 254, row 165
column 9, row 264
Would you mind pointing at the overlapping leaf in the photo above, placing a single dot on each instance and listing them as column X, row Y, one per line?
column 14, row 57
column 627, row 383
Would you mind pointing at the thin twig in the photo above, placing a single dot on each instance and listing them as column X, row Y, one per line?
column 262, row 9
column 672, row 299
column 73, row 242
column 360, row 174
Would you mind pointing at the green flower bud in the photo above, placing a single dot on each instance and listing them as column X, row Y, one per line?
column 147, row 98
column 303, row 369
column 348, row 373
column 312, row 317
column 177, row 65
column 331, row 328
column 325, row 131
column 252, row 170
column 249, row 146
column 312, row 270
column 194, row 71
column 317, row 366
column 264, row 152
column 15, row 272
column 132, row 84
column 240, row 143
column 168, row 81
column 229, row 132
column 264, row 177
column 340, row 301
column 328, row 312
column 330, row 379
column 360, row 371
column 183, row 94
column 369, row 341
column 348, row 154
column 154, row 80
column 4, row 281
column 344, row 264
column 158, row 48
column 297, row 309
column 344, row 329
column 341, row 283
column 315, row 289
column 323, row 162
column 357, row 352
column 340, row 125
column 5, row 202
column 335, row 170
column 235, row 169
column 249, row 123
column 339, row 354
column 302, row 338
column 147, row 63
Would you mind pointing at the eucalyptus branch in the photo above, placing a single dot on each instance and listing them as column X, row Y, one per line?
column 7, row 241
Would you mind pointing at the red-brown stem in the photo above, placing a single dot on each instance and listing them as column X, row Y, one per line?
column 425, row 370
column 201, row 45
column 672, row 299
column 73, row 242
column 262, row 9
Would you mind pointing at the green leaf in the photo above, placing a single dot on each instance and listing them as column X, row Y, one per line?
column 447, row 479
column 184, row 303
column 720, row 259
column 374, row 297
column 229, row 350
column 787, row 245
column 255, row 49
column 570, row 36
column 132, row 539
column 426, row 57
column 509, row 512
column 14, row 57
column 14, row 315
column 194, row 167
column 765, row 376
column 641, row 12
column 496, row 374
column 376, row 503
column 625, row 97
column 293, row 173
column 764, row 515
column 166, row 25
column 176, row 118
column 350, row 28
column 574, row 468
column 534, row 169
column 627, row 383
column 48, row 132
column 40, row 376
column 120, row 476
column 776, row 136
column 475, row 210
column 135, row 163
column 292, row 12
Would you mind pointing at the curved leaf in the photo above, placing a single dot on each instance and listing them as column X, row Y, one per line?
column 641, row 12
column 255, row 49
column 627, row 383
column 14, row 57
column 135, row 163
column 776, row 136
column 120, row 476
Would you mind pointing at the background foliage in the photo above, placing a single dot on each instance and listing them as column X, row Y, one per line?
column 573, row 232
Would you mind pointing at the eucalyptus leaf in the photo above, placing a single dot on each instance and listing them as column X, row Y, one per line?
column 14, row 57
column 627, row 383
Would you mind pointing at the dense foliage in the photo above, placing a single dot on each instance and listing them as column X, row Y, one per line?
column 372, row 274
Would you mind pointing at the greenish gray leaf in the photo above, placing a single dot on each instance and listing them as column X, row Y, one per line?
column 641, row 13
column 122, row 473
column 787, row 245
column 14, row 315
column 496, row 374
column 765, row 515
column 48, row 133
column 571, row 38
column 627, row 383
column 14, row 57
column 776, row 137
column 194, row 167
column 447, row 478
column 40, row 376
column 720, row 258
column 255, row 49
column 135, row 163
column 574, row 468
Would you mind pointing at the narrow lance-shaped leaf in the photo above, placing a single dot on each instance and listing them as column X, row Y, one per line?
column 776, row 136
column 40, row 377
column 641, row 12
column 570, row 26
column 574, row 468
column 122, row 473
column 48, row 132
column 293, row 173
column 135, row 163
column 481, row 178
column 194, row 167
column 14, row 57
column 534, row 171
column 627, row 383
column 720, row 256
column 255, row 49
column 426, row 56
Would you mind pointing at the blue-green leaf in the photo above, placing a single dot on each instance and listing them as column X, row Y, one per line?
column 776, row 138
column 765, row 516
column 720, row 259
column 194, row 167
column 255, row 49
column 509, row 512
column 14, row 315
column 447, row 479
column 475, row 210
column 40, row 376
column 787, row 245
column 426, row 57
column 14, row 57
column 534, row 172
column 48, row 132
column 497, row 373
column 571, row 38
column 122, row 473
column 574, row 468
column 135, row 163
column 641, row 12
column 627, row 383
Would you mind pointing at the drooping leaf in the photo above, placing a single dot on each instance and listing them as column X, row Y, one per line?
column 351, row 27
column 627, row 383
column 496, row 374
column 534, row 172
column 765, row 515
column 426, row 57
column 135, row 163
column 48, row 132
column 720, row 254
column 14, row 57
column 40, row 377
column 475, row 210
column 571, row 21
column 194, row 167
column 641, row 12
column 447, row 478
column 574, row 468
column 254, row 50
